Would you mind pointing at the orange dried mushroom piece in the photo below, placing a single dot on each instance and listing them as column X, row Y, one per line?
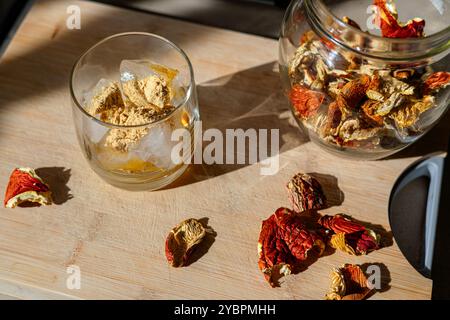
column 26, row 186
column 348, row 283
column 436, row 81
column 369, row 109
column 334, row 117
column 354, row 92
column 182, row 240
column 305, row 101
column 392, row 28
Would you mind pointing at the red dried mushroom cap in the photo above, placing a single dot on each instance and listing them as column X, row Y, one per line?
column 26, row 186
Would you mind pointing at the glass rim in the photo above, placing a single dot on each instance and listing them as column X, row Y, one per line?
column 436, row 43
column 123, row 34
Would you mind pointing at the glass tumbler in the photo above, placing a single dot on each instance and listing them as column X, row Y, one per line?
column 149, row 164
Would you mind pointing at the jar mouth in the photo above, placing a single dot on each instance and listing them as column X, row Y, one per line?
column 155, row 122
column 325, row 22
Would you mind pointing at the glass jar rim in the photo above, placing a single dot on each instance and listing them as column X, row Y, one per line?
column 136, row 33
column 431, row 46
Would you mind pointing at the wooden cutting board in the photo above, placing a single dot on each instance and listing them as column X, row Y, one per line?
column 117, row 237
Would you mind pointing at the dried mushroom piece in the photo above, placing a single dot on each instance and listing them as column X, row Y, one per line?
column 408, row 114
column 335, row 87
column 352, row 130
column 350, row 236
column 305, row 193
column 305, row 101
column 436, row 82
column 182, row 240
column 348, row 283
column 334, row 119
column 375, row 95
column 353, row 93
column 393, row 102
column 391, row 85
column 283, row 242
column 403, row 74
column 369, row 108
column 307, row 67
column 392, row 28
column 26, row 186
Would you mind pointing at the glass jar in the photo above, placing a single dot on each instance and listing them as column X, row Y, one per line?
column 356, row 93
column 145, row 160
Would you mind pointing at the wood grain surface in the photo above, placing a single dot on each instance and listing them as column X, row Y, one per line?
column 117, row 237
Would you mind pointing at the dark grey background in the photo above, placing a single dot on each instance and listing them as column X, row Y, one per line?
column 261, row 17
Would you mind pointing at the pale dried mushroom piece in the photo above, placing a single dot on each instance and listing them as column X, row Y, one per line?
column 123, row 139
column 348, row 283
column 375, row 95
column 302, row 59
column 307, row 67
column 335, row 87
column 183, row 239
column 389, row 91
column 25, row 186
column 393, row 102
column 407, row 115
column 305, row 193
column 351, row 129
column 391, row 85
column 371, row 70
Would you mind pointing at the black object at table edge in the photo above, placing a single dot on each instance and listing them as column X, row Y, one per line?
column 11, row 21
column 441, row 260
